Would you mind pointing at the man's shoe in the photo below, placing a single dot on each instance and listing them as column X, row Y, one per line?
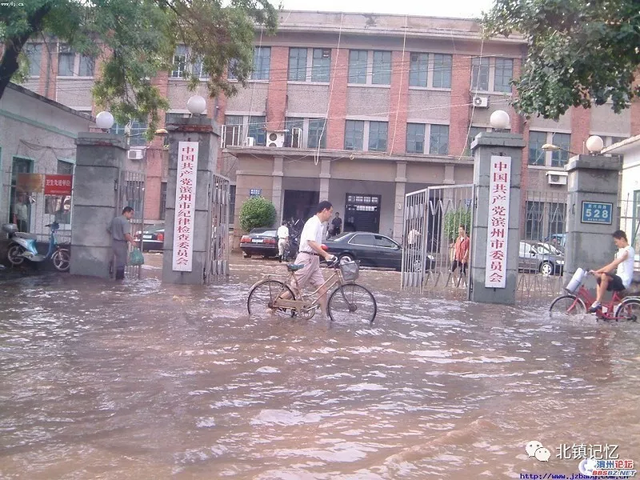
column 595, row 307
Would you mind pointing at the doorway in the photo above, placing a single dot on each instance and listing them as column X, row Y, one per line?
column 20, row 202
column 362, row 213
column 299, row 204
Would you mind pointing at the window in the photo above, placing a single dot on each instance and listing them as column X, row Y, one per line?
column 378, row 136
column 381, row 68
column 233, row 119
column 289, row 125
column 64, row 168
column 536, row 154
column 138, row 130
column 66, row 60
column 60, row 206
column 533, row 226
column 354, row 135
column 297, row 64
column 261, row 63
column 418, row 68
column 441, row 71
column 317, row 133
column 385, row 242
column 197, row 68
column 179, row 62
column 415, row 137
column 480, row 74
column 232, row 203
column 358, row 66
column 163, row 200
column 33, row 51
column 321, row 66
column 439, row 140
column 258, row 130
column 560, row 157
column 557, row 215
column 504, row 74
column 87, row 65
column 231, row 69
column 363, row 239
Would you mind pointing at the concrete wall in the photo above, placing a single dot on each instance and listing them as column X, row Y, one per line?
column 40, row 130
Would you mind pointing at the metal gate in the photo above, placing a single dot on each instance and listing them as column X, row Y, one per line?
column 218, row 254
column 630, row 222
column 432, row 218
column 131, row 194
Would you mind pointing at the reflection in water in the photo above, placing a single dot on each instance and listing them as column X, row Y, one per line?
column 145, row 380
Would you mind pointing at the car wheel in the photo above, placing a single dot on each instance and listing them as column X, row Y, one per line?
column 246, row 255
column 346, row 258
column 546, row 269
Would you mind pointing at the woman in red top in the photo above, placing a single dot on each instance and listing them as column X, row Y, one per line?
column 461, row 251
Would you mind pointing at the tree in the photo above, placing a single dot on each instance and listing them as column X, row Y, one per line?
column 136, row 39
column 257, row 212
column 453, row 220
column 578, row 52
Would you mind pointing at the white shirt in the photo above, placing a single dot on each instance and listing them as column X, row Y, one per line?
column 283, row 232
column 312, row 231
column 625, row 269
column 412, row 237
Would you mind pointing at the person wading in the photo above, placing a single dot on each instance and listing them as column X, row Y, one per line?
column 120, row 231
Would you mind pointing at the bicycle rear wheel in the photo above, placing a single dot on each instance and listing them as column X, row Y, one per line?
column 262, row 297
column 629, row 310
column 567, row 305
column 352, row 302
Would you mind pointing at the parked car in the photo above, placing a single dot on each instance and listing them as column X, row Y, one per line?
column 558, row 240
column 371, row 250
column 540, row 257
column 152, row 238
column 260, row 241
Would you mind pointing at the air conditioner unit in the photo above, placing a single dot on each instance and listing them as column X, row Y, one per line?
column 557, row 178
column 296, row 137
column 275, row 139
column 135, row 154
column 249, row 142
column 480, row 101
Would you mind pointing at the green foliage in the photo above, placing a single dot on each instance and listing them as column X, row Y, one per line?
column 135, row 39
column 257, row 212
column 578, row 52
column 453, row 220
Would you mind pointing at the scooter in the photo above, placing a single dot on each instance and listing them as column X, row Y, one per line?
column 23, row 246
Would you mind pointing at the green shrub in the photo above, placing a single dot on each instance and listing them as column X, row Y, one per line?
column 257, row 212
column 453, row 220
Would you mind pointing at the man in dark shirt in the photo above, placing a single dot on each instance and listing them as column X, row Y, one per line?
column 336, row 225
column 120, row 231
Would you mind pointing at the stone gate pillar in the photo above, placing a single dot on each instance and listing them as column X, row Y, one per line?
column 592, row 212
column 193, row 155
column 100, row 157
column 496, row 221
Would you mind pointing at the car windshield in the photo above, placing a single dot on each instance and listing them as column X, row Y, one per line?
column 547, row 249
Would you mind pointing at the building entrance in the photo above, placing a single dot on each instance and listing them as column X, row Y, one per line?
column 362, row 213
column 299, row 204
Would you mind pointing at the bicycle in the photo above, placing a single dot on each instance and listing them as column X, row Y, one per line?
column 575, row 302
column 346, row 301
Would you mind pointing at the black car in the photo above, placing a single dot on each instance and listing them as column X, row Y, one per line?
column 152, row 238
column 370, row 249
column 260, row 241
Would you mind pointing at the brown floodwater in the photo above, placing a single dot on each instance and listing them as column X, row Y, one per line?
column 144, row 380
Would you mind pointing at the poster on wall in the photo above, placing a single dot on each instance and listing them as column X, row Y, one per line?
column 60, row 185
column 185, row 206
column 498, row 226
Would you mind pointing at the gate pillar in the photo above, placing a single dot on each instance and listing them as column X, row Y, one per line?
column 188, row 225
column 592, row 212
column 100, row 158
column 495, row 235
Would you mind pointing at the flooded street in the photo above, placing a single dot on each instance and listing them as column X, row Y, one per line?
column 145, row 380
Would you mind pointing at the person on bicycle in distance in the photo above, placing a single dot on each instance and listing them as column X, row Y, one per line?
column 607, row 281
column 311, row 251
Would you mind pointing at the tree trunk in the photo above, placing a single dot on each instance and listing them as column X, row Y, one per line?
column 14, row 45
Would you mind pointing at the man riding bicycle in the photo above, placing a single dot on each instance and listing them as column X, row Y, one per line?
column 311, row 251
column 607, row 281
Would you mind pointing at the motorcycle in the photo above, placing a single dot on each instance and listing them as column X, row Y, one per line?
column 23, row 246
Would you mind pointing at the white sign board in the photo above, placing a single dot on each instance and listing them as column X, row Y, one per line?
column 498, row 226
column 185, row 206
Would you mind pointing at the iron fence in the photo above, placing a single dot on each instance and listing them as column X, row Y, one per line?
column 131, row 194
column 218, row 254
column 629, row 215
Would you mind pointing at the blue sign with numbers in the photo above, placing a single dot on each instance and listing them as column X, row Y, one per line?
column 597, row 212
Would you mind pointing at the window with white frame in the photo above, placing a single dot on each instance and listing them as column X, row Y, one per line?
column 261, row 63
column 438, row 136
column 354, row 135
column 180, row 62
column 378, row 133
column 298, row 64
column 381, row 74
column 439, row 139
column 358, row 66
column 258, row 129
column 560, row 157
column 480, row 74
column 290, row 125
column 536, row 154
column 503, row 75
column 73, row 64
column 318, row 58
column 415, row 137
column 321, row 65
column 418, row 69
column 441, row 70
column 231, row 69
column 317, row 136
column 33, row 52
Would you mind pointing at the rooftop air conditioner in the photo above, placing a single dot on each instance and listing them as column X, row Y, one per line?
column 557, row 178
column 275, row 139
column 480, row 101
column 135, row 154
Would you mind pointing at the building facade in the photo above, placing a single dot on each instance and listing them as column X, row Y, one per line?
column 361, row 109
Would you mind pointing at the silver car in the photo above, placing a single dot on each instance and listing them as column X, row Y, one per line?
column 540, row 257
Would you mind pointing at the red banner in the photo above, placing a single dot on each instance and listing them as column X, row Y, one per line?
column 58, row 184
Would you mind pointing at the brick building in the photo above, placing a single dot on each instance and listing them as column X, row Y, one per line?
column 359, row 109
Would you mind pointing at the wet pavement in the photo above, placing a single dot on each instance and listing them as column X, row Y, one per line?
column 144, row 380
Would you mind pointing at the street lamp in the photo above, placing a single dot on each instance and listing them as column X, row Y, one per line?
column 196, row 105
column 104, row 121
column 594, row 145
column 499, row 120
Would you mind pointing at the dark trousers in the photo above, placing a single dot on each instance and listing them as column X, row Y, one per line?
column 120, row 253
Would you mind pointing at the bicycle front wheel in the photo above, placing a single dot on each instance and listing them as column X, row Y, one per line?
column 262, row 297
column 629, row 310
column 352, row 302
column 567, row 305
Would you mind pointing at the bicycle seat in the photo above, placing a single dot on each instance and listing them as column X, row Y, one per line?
column 294, row 267
column 28, row 236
